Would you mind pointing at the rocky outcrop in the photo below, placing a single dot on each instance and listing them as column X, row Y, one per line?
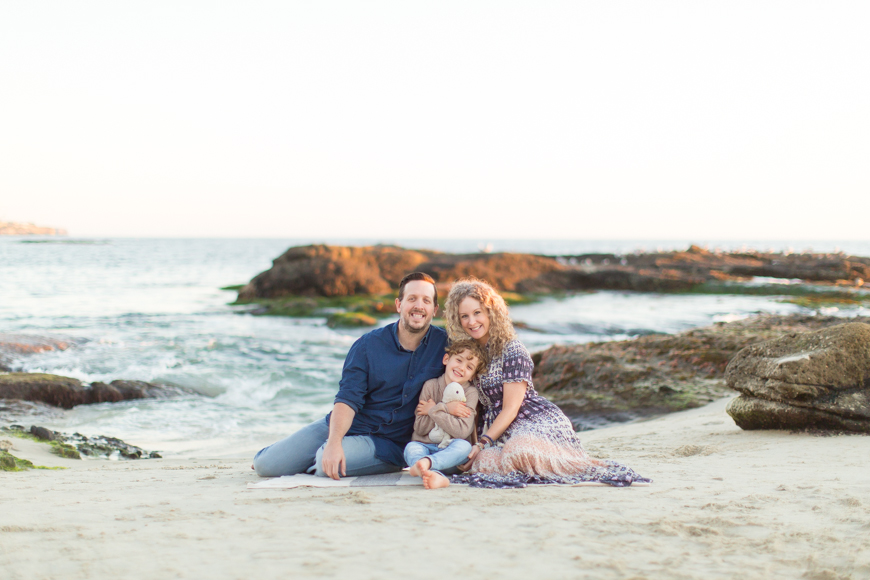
column 617, row 381
column 817, row 380
column 700, row 263
column 22, row 229
column 343, row 271
column 66, row 392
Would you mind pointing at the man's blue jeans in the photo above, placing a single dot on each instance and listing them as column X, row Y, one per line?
column 443, row 460
column 302, row 453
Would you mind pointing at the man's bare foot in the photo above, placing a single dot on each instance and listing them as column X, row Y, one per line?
column 434, row 480
column 421, row 467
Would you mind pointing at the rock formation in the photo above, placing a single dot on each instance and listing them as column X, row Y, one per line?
column 21, row 229
column 321, row 270
column 67, row 393
column 817, row 380
column 344, row 271
column 77, row 445
column 655, row 374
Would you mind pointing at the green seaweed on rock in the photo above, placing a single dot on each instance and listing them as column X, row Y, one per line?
column 373, row 306
column 21, row 434
column 9, row 462
column 64, row 450
column 379, row 306
column 58, row 448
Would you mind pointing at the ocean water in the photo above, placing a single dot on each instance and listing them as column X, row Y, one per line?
column 153, row 310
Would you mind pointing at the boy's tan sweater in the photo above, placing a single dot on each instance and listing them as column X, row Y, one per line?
column 456, row 427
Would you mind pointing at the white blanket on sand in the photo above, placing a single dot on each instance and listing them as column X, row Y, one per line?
column 401, row 478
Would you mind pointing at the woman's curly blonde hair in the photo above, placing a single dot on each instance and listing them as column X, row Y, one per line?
column 501, row 329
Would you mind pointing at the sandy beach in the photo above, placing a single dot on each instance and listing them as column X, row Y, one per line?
column 724, row 503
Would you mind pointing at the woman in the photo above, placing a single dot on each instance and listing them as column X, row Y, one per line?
column 524, row 438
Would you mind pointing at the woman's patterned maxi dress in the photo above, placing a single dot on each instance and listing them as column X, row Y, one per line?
column 540, row 446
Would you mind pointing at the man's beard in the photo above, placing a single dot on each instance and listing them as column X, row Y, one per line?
column 407, row 326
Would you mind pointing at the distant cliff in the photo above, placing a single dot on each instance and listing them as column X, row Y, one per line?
column 18, row 229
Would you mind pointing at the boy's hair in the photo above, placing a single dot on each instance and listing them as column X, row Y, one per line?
column 457, row 346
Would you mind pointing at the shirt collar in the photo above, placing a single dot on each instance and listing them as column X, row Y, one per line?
column 398, row 344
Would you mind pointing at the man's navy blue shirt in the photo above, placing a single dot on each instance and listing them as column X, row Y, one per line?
column 381, row 381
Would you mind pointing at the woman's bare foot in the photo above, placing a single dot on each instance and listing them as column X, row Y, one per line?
column 434, row 480
column 421, row 467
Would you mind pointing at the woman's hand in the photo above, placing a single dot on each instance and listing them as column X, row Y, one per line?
column 458, row 409
column 467, row 465
column 423, row 407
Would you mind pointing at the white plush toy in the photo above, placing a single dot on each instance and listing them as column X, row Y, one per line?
column 452, row 392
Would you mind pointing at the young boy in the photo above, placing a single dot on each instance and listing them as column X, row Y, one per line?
column 464, row 359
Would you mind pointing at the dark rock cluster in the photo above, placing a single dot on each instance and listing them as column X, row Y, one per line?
column 77, row 445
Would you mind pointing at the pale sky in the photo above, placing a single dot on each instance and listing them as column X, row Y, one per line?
column 576, row 120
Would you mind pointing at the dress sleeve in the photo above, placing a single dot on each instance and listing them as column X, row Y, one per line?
column 518, row 365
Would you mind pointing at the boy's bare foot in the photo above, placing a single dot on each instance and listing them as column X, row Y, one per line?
column 421, row 467
column 434, row 480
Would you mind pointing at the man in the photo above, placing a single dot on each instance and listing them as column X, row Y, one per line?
column 373, row 415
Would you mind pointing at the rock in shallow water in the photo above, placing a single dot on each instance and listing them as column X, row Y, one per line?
column 67, row 392
column 815, row 380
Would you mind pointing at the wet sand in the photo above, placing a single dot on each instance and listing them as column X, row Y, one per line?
column 724, row 503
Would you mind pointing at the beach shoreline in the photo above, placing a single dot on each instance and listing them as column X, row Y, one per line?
column 724, row 502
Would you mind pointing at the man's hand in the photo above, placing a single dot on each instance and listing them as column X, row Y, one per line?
column 423, row 407
column 458, row 409
column 333, row 461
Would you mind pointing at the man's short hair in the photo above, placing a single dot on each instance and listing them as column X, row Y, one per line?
column 475, row 349
column 417, row 276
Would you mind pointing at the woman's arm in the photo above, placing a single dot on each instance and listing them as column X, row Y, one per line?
column 514, row 393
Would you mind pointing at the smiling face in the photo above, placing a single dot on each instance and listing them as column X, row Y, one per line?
column 417, row 306
column 461, row 366
column 474, row 319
